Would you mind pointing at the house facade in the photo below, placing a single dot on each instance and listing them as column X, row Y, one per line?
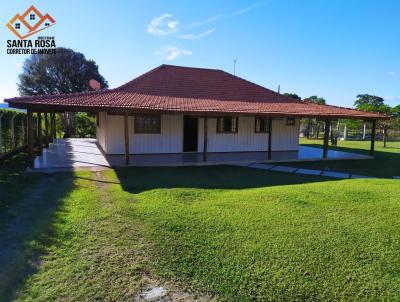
column 175, row 110
column 176, row 133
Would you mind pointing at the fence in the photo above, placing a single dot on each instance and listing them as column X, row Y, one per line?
column 13, row 131
column 348, row 130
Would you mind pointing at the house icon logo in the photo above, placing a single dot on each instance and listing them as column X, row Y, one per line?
column 29, row 23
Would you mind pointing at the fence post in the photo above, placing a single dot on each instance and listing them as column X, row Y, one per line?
column 1, row 133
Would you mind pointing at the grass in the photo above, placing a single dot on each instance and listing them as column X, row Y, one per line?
column 239, row 234
column 386, row 163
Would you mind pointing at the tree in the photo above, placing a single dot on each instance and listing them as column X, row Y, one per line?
column 293, row 95
column 372, row 103
column 66, row 71
column 316, row 100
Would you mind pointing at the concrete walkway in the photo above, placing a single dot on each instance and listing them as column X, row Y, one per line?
column 288, row 169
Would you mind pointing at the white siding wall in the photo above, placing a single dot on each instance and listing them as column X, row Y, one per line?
column 284, row 138
column 101, row 131
column 111, row 136
column 168, row 141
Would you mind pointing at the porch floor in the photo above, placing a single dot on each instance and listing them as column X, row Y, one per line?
column 84, row 152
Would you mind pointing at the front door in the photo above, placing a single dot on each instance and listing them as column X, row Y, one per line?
column 190, row 125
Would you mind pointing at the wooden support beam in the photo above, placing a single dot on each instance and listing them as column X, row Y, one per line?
column 326, row 139
column 205, row 139
column 40, row 136
column 46, row 129
column 52, row 125
column 270, row 138
column 30, row 133
column 373, row 130
column 126, row 132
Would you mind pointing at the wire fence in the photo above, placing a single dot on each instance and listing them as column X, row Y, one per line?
column 13, row 130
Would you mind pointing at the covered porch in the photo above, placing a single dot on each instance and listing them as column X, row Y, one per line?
column 85, row 152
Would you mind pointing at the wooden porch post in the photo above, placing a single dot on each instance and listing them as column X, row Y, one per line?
column 52, row 125
column 46, row 129
column 40, row 137
column 326, row 138
column 126, row 132
column 30, row 133
column 205, row 140
column 270, row 138
column 371, row 150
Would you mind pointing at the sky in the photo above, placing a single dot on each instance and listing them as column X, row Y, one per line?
column 334, row 49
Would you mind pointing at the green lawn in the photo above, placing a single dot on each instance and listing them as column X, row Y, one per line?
column 386, row 163
column 239, row 234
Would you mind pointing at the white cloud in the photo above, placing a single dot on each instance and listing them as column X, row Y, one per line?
column 197, row 36
column 170, row 52
column 391, row 73
column 204, row 22
column 163, row 25
column 247, row 8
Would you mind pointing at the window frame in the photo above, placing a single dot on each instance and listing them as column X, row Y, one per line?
column 255, row 124
column 228, row 132
column 291, row 123
column 141, row 131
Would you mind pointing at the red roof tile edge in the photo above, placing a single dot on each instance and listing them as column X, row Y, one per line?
column 256, row 100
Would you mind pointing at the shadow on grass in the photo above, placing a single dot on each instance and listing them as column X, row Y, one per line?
column 139, row 179
column 26, row 228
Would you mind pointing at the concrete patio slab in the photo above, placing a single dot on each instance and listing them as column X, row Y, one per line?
column 309, row 172
column 335, row 174
column 360, row 176
column 284, row 169
column 261, row 166
column 77, row 153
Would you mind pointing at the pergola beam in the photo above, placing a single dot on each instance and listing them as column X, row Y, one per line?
column 40, row 137
column 373, row 130
column 326, row 139
column 53, row 125
column 30, row 134
column 46, row 129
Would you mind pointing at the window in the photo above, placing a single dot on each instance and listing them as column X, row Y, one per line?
column 17, row 25
column 147, row 124
column 227, row 124
column 290, row 121
column 47, row 24
column 262, row 125
column 32, row 16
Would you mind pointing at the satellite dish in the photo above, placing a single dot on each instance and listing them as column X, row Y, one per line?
column 95, row 85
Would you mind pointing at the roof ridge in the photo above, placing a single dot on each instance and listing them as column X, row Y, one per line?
column 190, row 67
column 262, row 87
column 137, row 78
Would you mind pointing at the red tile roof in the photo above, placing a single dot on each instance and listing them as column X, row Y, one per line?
column 190, row 90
